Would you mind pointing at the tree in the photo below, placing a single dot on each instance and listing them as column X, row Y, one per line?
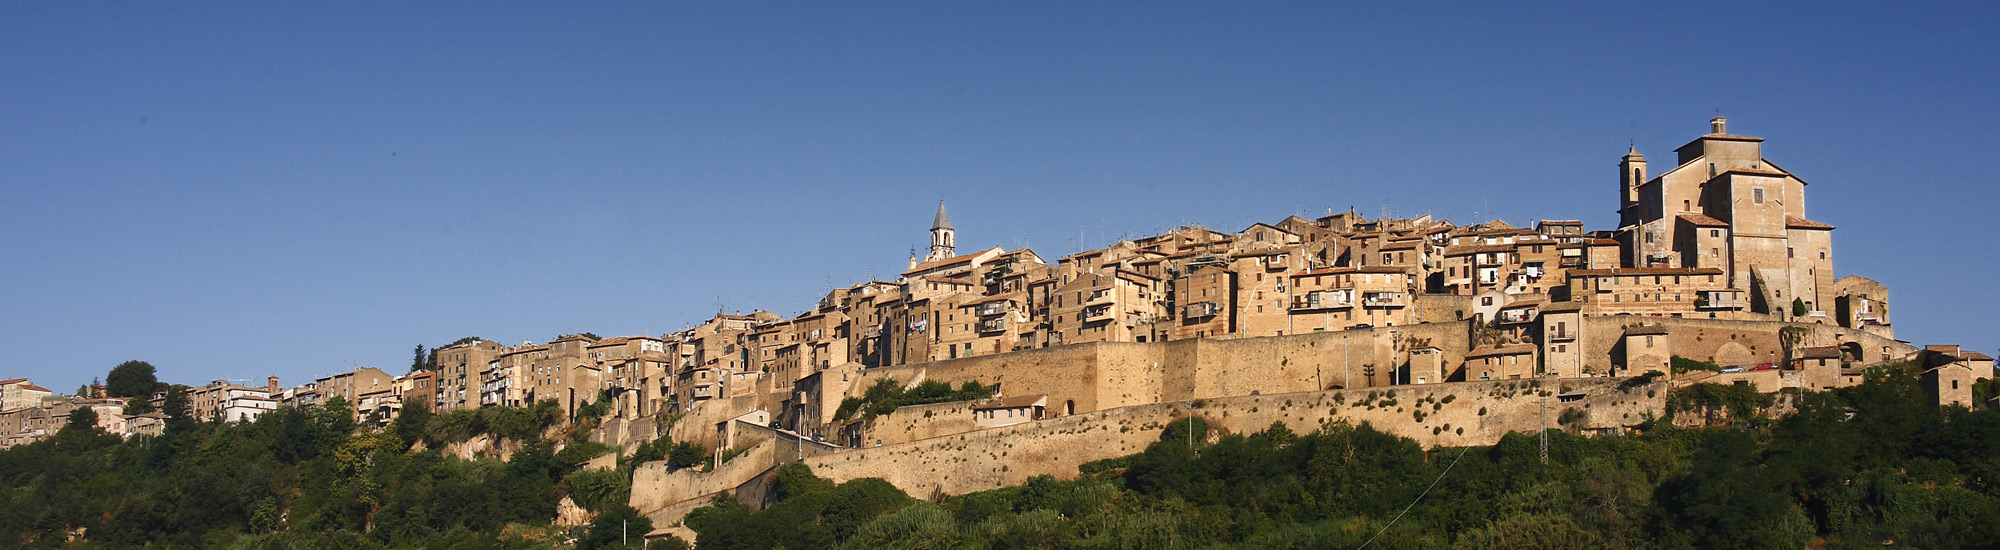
column 131, row 379
column 411, row 424
column 1798, row 307
column 179, row 410
column 83, row 418
column 421, row 360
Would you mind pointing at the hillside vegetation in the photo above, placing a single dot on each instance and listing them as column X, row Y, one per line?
column 1857, row 467
column 1895, row 472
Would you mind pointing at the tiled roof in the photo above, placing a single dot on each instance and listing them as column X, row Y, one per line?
column 1703, row 220
column 1648, row 271
column 1512, row 349
column 1802, row 223
column 1562, row 307
column 1646, row 330
column 1352, row 269
column 1824, row 352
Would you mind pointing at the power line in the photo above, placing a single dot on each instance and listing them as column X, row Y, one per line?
column 1420, row 498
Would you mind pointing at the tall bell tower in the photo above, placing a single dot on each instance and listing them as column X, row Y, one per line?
column 943, row 242
column 1631, row 174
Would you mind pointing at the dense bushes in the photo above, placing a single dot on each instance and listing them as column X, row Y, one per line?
column 1855, row 467
column 886, row 396
column 294, row 478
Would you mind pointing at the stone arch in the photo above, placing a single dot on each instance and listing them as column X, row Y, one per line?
column 1733, row 353
column 1069, row 407
column 1852, row 352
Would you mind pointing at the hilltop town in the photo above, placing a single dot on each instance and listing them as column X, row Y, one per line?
column 1716, row 273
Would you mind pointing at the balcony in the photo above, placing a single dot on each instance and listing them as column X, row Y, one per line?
column 1202, row 309
column 993, row 325
column 1323, row 299
column 1382, row 299
column 1521, row 315
column 1562, row 335
column 1715, row 300
column 1100, row 297
column 1097, row 313
column 992, row 308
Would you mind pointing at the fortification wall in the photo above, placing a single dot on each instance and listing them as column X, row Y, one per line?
column 914, row 422
column 655, row 488
column 1478, row 413
column 1729, row 342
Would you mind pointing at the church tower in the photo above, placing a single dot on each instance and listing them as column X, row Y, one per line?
column 943, row 243
column 1631, row 174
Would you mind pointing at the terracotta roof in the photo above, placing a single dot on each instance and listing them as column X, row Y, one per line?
column 1513, row 349
column 1014, row 402
column 1703, row 220
column 612, row 341
column 1648, row 271
column 1528, row 302
column 1562, row 307
column 1976, row 356
column 1402, row 245
column 12, row 380
column 951, row 261
column 1802, row 223
column 1463, row 250
column 1646, row 330
column 1824, row 352
column 36, row 388
column 1353, row 269
column 999, row 297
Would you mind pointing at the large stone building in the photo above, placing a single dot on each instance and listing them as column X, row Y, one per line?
column 1724, row 206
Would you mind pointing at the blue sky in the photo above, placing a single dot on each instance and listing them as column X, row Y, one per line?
column 237, row 190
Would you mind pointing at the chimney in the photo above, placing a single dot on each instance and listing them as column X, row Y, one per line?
column 272, row 386
column 1718, row 125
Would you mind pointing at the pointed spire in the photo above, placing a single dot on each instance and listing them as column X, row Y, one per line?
column 1633, row 153
column 943, row 221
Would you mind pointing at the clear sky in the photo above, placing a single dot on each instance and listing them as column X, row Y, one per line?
column 238, row 190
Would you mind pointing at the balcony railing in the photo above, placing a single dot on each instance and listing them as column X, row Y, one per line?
column 1098, row 313
column 993, row 325
column 1562, row 335
column 1323, row 299
column 1202, row 309
column 1383, row 299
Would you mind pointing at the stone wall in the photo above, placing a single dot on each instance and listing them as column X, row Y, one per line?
column 913, row 422
column 1478, row 413
column 1728, row 342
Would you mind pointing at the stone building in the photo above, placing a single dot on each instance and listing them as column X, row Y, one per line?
column 1725, row 206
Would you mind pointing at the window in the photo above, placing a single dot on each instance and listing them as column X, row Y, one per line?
column 1757, row 195
column 1822, row 254
column 1486, row 301
column 1789, row 253
column 1715, row 232
column 1649, row 341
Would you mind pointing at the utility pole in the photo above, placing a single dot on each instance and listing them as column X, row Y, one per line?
column 1545, row 428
